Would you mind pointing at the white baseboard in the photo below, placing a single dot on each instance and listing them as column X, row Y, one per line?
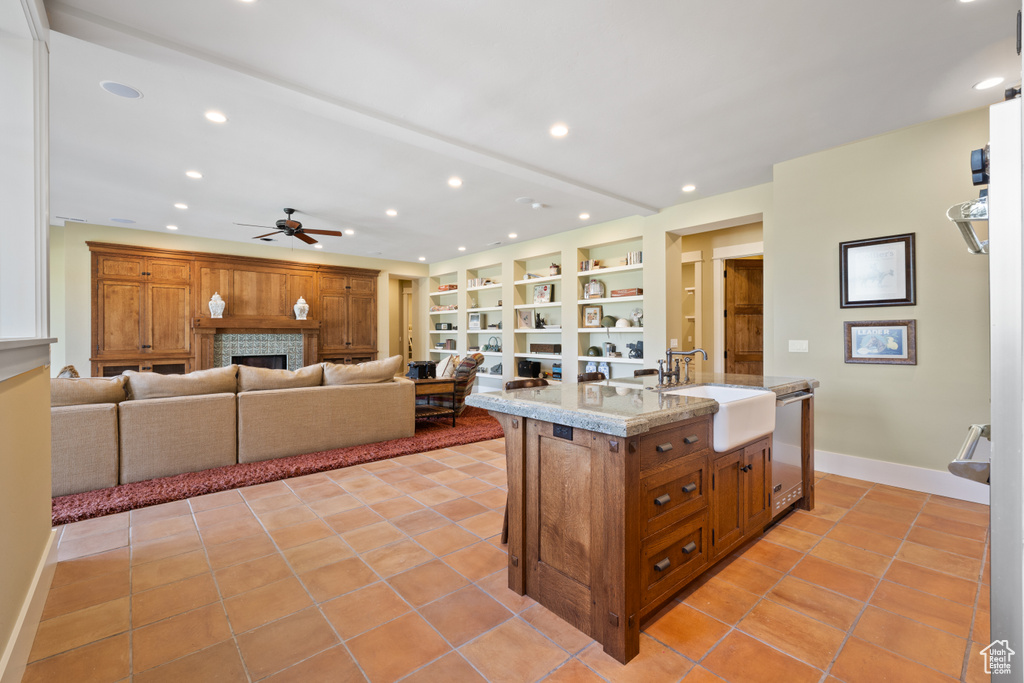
column 904, row 476
column 15, row 654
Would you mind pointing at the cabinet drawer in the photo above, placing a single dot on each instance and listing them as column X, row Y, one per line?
column 659, row 448
column 670, row 495
column 670, row 559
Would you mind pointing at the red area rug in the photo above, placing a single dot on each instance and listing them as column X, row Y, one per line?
column 473, row 425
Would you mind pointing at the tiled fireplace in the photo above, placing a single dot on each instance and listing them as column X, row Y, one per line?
column 227, row 345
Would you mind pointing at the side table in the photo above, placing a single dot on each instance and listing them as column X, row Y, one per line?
column 442, row 386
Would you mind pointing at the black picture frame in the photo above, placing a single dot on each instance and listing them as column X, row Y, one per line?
column 878, row 272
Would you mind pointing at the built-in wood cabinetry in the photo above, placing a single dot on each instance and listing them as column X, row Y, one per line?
column 603, row 530
column 150, row 308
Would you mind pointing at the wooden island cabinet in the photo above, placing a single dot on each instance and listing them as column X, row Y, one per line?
column 150, row 313
column 616, row 505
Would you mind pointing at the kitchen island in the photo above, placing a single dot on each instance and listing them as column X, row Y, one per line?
column 616, row 499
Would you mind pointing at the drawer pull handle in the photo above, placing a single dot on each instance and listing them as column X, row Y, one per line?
column 664, row 448
column 690, row 488
column 689, row 548
column 691, row 439
column 663, row 499
column 663, row 565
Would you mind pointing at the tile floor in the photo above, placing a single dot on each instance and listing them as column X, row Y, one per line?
column 393, row 571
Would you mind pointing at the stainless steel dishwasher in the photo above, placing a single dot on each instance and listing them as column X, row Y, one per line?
column 794, row 432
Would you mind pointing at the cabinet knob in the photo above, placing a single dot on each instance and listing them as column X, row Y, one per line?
column 663, row 565
column 689, row 548
column 746, row 468
column 693, row 438
column 690, row 488
column 663, row 499
column 664, row 448
column 147, row 346
column 348, row 343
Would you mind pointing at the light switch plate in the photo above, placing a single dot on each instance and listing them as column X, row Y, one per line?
column 798, row 346
column 673, row 343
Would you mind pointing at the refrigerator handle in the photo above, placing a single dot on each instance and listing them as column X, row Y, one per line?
column 963, row 464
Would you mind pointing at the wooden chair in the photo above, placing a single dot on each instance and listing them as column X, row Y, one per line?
column 645, row 371
column 590, row 377
column 525, row 384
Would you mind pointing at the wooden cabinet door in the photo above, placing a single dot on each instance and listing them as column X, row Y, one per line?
column 119, row 266
column 334, row 323
column 756, row 484
column 118, row 317
column 362, row 285
column 167, row 323
column 728, row 511
column 362, row 322
column 168, row 269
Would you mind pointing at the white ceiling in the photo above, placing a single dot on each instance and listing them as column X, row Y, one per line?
column 344, row 109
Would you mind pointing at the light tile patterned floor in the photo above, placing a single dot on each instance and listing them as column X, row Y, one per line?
column 393, row 571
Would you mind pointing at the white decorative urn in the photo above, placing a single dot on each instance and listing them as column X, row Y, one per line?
column 301, row 309
column 216, row 306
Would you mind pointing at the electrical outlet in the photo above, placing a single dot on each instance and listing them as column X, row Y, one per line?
column 689, row 339
column 673, row 343
column 798, row 346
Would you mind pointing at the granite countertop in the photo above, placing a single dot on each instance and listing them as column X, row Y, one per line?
column 624, row 407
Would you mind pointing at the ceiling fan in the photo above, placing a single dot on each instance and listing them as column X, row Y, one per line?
column 291, row 229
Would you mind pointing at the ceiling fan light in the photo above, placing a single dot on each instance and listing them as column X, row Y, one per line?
column 318, row 246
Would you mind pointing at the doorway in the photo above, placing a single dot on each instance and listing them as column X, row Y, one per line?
column 744, row 315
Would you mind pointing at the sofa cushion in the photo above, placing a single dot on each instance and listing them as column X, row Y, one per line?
column 143, row 385
column 76, row 392
column 364, row 373
column 83, row 450
column 262, row 379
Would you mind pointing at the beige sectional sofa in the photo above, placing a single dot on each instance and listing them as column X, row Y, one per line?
column 143, row 425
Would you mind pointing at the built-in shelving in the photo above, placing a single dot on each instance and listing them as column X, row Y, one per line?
column 609, row 300
column 543, row 330
column 553, row 304
column 484, row 309
column 495, row 285
column 546, row 356
column 611, row 359
column 607, row 271
column 538, row 280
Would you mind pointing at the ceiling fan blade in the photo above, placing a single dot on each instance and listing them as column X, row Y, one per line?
column 302, row 236
column 336, row 233
column 269, row 234
column 294, row 225
column 250, row 225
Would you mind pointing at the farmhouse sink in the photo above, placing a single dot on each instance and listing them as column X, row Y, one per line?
column 743, row 414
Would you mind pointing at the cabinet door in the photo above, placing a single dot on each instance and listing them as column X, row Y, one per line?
column 362, row 285
column 118, row 317
column 362, row 322
column 334, row 323
column 168, row 269
column 119, row 266
column 756, row 484
column 167, row 321
column 728, row 510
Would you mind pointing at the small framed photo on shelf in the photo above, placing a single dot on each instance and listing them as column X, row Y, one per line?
column 542, row 293
column 475, row 321
column 525, row 317
column 877, row 272
column 885, row 342
column 592, row 316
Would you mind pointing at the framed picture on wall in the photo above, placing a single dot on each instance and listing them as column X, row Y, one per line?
column 592, row 316
column 525, row 317
column 877, row 272
column 542, row 294
column 886, row 342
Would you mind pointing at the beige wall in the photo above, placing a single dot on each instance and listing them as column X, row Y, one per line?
column 895, row 183
column 900, row 182
column 70, row 297
column 24, row 488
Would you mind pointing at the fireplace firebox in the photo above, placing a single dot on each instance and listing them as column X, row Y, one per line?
column 271, row 361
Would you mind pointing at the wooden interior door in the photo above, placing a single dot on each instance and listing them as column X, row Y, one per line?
column 744, row 316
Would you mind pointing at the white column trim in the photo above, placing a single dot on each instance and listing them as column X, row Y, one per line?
column 718, row 256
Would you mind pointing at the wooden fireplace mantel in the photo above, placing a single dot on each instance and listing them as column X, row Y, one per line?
column 204, row 329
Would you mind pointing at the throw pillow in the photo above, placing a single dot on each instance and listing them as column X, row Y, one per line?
column 143, row 385
column 364, row 373
column 446, row 366
column 69, row 372
column 74, row 392
column 262, row 379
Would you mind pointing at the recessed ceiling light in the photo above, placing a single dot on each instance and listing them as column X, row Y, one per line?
column 423, row 258
column 350, row 231
column 559, row 130
column 455, row 181
column 215, row 116
column 584, row 216
column 391, row 212
column 180, row 205
column 524, row 200
column 247, row 1
column 966, row 1
column 318, row 246
column 121, row 90
column 126, row 221
column 512, row 235
column 689, row 188
column 988, row 83
column 172, row 227
column 194, row 174
column 462, row 249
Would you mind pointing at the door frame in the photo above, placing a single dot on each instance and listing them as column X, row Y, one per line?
column 718, row 258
